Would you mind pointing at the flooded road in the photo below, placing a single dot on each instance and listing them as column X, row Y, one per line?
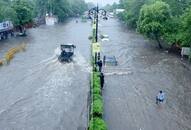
column 131, row 87
column 38, row 92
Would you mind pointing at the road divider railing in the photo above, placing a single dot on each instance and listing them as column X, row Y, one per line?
column 9, row 55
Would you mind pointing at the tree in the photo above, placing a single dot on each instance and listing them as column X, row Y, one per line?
column 173, row 34
column 108, row 8
column 178, row 29
column 60, row 8
column 40, row 9
column 178, row 7
column 121, row 3
column 90, row 5
column 174, row 27
column 23, row 11
column 115, row 5
column 186, row 28
column 112, row 7
column 77, row 7
column 7, row 12
column 152, row 20
column 132, row 10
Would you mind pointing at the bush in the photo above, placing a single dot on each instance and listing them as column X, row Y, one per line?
column 97, row 124
column 97, row 107
column 96, row 80
column 97, row 90
column 97, row 97
column 96, row 86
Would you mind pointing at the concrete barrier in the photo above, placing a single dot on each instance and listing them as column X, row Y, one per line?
column 9, row 55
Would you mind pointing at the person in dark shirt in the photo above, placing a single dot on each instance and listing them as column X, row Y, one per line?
column 104, row 58
column 99, row 63
column 102, row 80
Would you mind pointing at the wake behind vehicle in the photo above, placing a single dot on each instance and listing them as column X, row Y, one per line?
column 67, row 52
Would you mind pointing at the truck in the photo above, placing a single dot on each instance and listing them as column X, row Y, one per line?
column 6, row 29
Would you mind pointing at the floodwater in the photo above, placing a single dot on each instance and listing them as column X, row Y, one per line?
column 131, row 87
column 38, row 92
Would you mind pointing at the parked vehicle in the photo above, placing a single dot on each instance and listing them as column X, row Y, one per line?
column 6, row 28
column 110, row 61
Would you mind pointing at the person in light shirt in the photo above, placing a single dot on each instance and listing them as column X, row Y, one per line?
column 160, row 97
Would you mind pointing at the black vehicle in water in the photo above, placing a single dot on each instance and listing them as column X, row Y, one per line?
column 67, row 52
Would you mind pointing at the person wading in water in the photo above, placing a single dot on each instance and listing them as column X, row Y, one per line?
column 102, row 80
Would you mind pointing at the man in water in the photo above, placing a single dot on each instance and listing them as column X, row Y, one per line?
column 102, row 80
column 99, row 63
column 160, row 97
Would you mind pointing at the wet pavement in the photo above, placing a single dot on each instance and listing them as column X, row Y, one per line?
column 38, row 92
column 131, row 87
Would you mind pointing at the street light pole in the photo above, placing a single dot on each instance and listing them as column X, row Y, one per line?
column 95, row 12
column 97, row 19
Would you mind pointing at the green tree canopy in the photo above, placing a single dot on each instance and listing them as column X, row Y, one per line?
column 152, row 20
column 178, row 7
column 23, row 9
column 132, row 10
column 60, row 8
column 8, row 13
column 18, row 11
column 172, row 32
column 186, row 28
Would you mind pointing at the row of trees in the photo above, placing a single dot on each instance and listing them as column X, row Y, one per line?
column 112, row 7
column 18, row 11
column 23, row 11
column 167, row 20
column 60, row 8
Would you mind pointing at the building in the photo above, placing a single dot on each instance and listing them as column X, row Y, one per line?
column 117, row 11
